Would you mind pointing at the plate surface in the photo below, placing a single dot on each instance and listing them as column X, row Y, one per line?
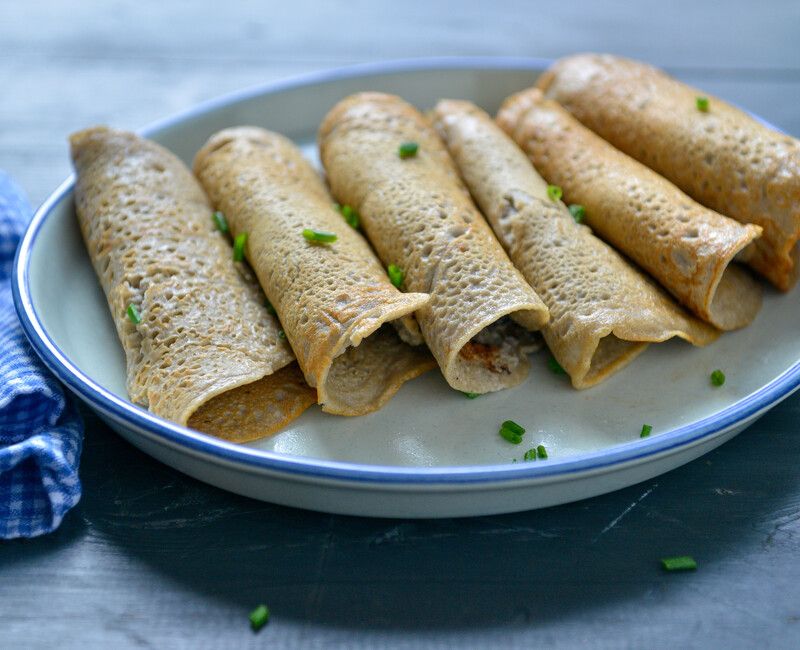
column 430, row 452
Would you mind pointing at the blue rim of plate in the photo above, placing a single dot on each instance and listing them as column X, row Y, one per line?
column 171, row 434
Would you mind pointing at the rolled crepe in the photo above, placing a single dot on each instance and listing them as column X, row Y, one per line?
column 419, row 216
column 332, row 299
column 721, row 157
column 603, row 312
column 206, row 352
column 686, row 247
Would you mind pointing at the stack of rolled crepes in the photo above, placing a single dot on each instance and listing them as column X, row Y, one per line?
column 419, row 216
column 344, row 319
column 603, row 312
column 688, row 248
column 201, row 347
column 207, row 348
column 714, row 152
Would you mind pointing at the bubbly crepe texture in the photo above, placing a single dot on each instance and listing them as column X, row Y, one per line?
column 686, row 247
column 206, row 352
column 332, row 299
column 723, row 157
column 419, row 216
column 603, row 312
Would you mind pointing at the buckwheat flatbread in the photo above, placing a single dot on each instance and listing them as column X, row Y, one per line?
column 720, row 156
column 603, row 312
column 419, row 216
column 341, row 314
column 685, row 246
column 200, row 346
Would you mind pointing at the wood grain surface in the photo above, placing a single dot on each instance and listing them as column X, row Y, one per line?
column 153, row 559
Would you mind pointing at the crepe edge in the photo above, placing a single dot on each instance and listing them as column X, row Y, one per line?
column 357, row 334
column 289, row 380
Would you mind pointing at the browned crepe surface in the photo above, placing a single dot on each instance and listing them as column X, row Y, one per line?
column 723, row 157
column 205, row 342
column 419, row 216
column 685, row 246
column 332, row 299
column 603, row 312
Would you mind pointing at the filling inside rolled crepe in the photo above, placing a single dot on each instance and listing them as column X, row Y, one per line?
column 499, row 347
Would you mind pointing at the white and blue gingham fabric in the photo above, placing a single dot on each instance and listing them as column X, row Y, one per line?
column 40, row 430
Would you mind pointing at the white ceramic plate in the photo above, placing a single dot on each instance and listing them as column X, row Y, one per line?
column 431, row 452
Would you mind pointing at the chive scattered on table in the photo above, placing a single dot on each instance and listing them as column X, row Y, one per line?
column 646, row 429
column 259, row 617
column 238, row 247
column 679, row 563
column 408, row 149
column 471, row 395
column 133, row 314
column 530, row 454
column 717, row 378
column 319, row 236
column 541, row 452
column 702, row 104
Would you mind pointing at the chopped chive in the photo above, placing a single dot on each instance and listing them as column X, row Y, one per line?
column 270, row 308
column 259, row 617
column 679, row 563
column 555, row 366
column 396, row 275
column 319, row 236
column 408, row 149
column 281, row 334
column 554, row 192
column 471, row 395
column 702, row 104
column 646, row 429
column 512, row 431
column 513, row 427
column 530, row 454
column 238, row 247
column 509, row 435
column 133, row 314
column 717, row 378
column 220, row 222
column 578, row 212
column 350, row 216
column 541, row 452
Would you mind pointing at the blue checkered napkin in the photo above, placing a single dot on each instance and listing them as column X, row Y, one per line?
column 40, row 430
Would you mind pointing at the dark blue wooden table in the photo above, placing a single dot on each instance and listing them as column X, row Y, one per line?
column 151, row 558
